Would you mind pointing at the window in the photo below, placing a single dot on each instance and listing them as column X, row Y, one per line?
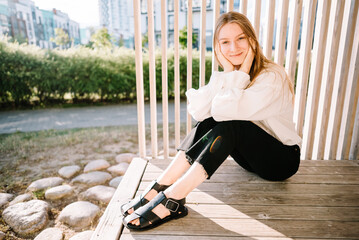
column 3, row 20
column 143, row 6
column 170, row 5
column 170, row 22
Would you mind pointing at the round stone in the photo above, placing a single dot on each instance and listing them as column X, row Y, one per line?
column 50, row 234
column 79, row 215
column 92, row 178
column 115, row 181
column 5, row 198
column 119, row 169
column 58, row 192
column 86, row 235
column 27, row 218
column 69, row 171
column 99, row 193
column 125, row 157
column 21, row 198
column 2, row 235
column 96, row 165
column 45, row 183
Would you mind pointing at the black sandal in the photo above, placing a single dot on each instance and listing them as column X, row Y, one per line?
column 141, row 200
column 148, row 219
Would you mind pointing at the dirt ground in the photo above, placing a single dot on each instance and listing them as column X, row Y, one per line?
column 26, row 157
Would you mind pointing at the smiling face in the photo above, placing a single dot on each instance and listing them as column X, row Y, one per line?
column 233, row 43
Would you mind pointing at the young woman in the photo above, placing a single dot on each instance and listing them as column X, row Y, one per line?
column 245, row 111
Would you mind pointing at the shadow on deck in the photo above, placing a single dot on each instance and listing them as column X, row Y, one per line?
column 320, row 202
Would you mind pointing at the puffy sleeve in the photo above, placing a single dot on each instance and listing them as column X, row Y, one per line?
column 200, row 101
column 260, row 101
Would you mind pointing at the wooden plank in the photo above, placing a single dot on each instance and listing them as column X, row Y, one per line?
column 271, row 187
column 252, row 178
column 189, row 60
column 184, row 236
column 177, row 75
column 230, row 5
column 312, row 163
column 293, row 38
column 304, row 63
column 260, row 212
column 164, row 79
column 257, row 16
column 345, row 46
column 139, row 80
column 329, row 66
column 351, row 96
column 152, row 78
column 305, row 170
column 110, row 225
column 243, row 6
column 216, row 9
column 254, row 228
column 354, row 148
column 281, row 32
column 316, row 69
column 202, row 45
column 268, row 30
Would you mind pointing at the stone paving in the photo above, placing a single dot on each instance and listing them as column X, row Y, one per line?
column 90, row 190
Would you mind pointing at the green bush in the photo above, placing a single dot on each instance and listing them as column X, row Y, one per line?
column 31, row 75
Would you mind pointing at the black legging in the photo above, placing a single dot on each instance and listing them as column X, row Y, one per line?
column 211, row 142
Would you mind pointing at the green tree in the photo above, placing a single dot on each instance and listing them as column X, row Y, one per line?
column 183, row 37
column 61, row 38
column 101, row 39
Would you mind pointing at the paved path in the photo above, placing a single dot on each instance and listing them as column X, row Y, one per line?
column 79, row 117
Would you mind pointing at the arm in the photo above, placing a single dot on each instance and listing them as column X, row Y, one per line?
column 200, row 101
column 264, row 99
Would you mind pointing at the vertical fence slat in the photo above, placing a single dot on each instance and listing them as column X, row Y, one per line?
column 329, row 66
column 243, row 7
column 354, row 148
column 164, row 79
column 257, row 16
column 216, row 13
column 293, row 37
column 335, row 114
column 139, row 80
column 202, row 60
column 177, row 76
column 189, row 58
column 304, row 63
column 268, row 31
column 281, row 32
column 152, row 78
column 351, row 95
column 230, row 5
column 316, row 69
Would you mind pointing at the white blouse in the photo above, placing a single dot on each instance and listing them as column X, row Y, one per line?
column 267, row 103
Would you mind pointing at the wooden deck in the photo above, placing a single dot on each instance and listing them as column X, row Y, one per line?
column 320, row 202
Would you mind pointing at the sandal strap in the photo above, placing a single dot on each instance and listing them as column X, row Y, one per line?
column 154, row 185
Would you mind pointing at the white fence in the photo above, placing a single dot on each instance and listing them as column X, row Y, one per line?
column 326, row 102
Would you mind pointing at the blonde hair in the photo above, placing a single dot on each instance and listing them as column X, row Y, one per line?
column 260, row 62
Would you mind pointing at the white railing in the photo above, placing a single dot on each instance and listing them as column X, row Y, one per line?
column 326, row 102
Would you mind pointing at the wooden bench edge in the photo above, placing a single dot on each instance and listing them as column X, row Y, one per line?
column 110, row 224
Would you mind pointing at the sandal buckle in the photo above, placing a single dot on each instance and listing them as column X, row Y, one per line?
column 169, row 205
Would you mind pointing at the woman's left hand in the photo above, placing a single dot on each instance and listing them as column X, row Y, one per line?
column 248, row 61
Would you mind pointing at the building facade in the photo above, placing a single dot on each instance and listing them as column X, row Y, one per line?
column 117, row 17
column 23, row 21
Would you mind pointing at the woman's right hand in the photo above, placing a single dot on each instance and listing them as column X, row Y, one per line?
column 226, row 64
